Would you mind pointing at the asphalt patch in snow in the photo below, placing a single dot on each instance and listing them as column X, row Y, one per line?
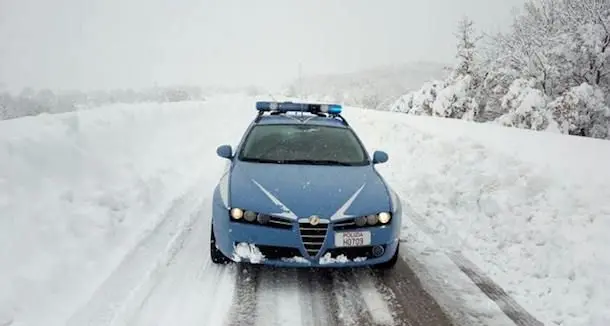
column 508, row 305
column 407, row 298
column 491, row 289
column 244, row 306
column 266, row 295
column 278, row 299
column 351, row 301
column 318, row 304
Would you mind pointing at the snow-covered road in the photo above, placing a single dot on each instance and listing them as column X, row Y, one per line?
column 104, row 220
column 193, row 291
column 169, row 279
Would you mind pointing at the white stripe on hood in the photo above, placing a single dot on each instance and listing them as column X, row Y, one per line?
column 286, row 212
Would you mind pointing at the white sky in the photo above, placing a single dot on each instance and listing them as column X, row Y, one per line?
column 89, row 44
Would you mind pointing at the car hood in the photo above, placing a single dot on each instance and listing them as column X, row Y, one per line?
column 297, row 191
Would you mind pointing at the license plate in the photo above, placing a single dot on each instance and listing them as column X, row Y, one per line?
column 352, row 239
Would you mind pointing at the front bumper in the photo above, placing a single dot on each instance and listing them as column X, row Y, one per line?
column 301, row 244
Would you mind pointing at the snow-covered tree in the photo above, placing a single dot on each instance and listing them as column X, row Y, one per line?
column 466, row 48
column 588, row 24
column 455, row 97
column 549, row 71
column 419, row 102
column 558, row 43
column 582, row 111
column 526, row 107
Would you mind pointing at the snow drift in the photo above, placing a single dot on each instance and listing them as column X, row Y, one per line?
column 78, row 190
column 531, row 209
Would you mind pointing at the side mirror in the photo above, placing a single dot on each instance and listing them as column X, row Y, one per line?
column 380, row 157
column 225, row 151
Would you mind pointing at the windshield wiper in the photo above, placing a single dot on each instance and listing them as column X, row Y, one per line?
column 261, row 160
column 317, row 162
column 302, row 161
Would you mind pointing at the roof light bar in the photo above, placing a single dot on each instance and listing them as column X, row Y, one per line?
column 298, row 107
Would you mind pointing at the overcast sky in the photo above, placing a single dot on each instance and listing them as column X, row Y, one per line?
column 89, row 44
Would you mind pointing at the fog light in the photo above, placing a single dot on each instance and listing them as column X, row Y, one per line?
column 378, row 251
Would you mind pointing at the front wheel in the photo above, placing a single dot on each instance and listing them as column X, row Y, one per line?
column 217, row 256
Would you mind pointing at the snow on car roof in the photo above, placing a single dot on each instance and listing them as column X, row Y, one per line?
column 297, row 118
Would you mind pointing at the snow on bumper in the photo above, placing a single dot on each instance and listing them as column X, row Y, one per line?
column 248, row 252
column 288, row 246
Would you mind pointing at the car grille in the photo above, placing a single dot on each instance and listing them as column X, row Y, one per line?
column 313, row 237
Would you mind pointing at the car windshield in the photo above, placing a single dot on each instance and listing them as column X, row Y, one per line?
column 303, row 144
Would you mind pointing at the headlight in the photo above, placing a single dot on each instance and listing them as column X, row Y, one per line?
column 250, row 216
column 361, row 221
column 263, row 218
column 378, row 219
column 237, row 213
column 384, row 217
column 371, row 219
column 247, row 216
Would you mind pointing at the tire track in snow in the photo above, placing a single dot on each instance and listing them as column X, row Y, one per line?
column 278, row 298
column 409, row 302
column 243, row 310
column 390, row 301
column 509, row 306
column 131, row 278
column 375, row 299
column 191, row 291
column 316, row 298
column 352, row 308
column 224, row 279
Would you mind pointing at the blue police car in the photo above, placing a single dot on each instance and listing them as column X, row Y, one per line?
column 300, row 190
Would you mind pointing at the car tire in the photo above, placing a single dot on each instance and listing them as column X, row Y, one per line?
column 217, row 256
column 390, row 263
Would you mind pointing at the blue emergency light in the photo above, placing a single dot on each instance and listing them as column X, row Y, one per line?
column 283, row 107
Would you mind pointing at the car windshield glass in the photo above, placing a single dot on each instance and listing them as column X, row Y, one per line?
column 303, row 144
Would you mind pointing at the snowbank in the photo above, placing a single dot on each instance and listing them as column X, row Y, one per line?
column 78, row 190
column 531, row 209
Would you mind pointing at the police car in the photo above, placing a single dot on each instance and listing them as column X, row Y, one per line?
column 300, row 190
